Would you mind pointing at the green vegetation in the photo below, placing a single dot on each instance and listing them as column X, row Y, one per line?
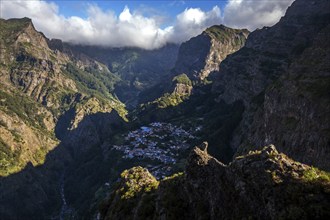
column 138, row 192
column 315, row 175
column 24, row 107
column 7, row 28
column 136, row 183
column 168, row 100
column 27, row 110
column 183, row 79
column 217, row 119
column 9, row 160
column 224, row 34
column 173, row 99
column 96, row 84
column 40, row 155
column 136, row 180
column 218, row 32
column 103, row 76
column 174, row 176
column 90, row 82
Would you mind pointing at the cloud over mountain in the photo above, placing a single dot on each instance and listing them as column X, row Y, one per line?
column 134, row 29
column 254, row 14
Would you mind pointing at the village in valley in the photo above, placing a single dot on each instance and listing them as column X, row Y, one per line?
column 159, row 142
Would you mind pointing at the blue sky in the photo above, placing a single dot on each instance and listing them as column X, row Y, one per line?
column 167, row 9
column 145, row 24
column 171, row 8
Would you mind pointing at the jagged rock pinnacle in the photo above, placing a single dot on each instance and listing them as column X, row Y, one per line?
column 204, row 146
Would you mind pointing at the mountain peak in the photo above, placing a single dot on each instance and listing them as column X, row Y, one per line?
column 223, row 33
column 203, row 54
column 22, row 31
column 20, row 20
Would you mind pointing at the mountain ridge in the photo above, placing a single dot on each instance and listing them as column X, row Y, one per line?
column 45, row 85
column 280, row 78
column 261, row 184
column 272, row 90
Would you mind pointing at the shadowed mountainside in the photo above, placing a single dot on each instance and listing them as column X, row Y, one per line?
column 282, row 76
column 262, row 184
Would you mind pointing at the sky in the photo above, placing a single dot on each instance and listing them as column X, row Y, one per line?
column 145, row 24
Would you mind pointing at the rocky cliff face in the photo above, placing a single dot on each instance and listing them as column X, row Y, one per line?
column 262, row 184
column 54, row 109
column 275, row 88
column 203, row 54
column 197, row 58
column 38, row 86
column 281, row 75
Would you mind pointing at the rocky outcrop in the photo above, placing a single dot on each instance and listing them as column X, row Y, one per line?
column 280, row 75
column 181, row 85
column 263, row 184
column 89, row 107
column 182, row 89
column 134, row 182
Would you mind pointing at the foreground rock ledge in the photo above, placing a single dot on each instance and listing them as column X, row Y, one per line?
column 263, row 184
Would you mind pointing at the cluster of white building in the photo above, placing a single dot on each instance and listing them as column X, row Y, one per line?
column 158, row 141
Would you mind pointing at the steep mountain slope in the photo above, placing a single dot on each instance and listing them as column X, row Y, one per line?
column 203, row 54
column 38, row 86
column 137, row 69
column 55, row 109
column 185, row 96
column 282, row 76
column 273, row 90
column 197, row 58
column 280, row 79
column 262, row 184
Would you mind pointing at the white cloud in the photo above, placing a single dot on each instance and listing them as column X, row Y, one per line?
column 192, row 22
column 254, row 14
column 133, row 28
column 100, row 27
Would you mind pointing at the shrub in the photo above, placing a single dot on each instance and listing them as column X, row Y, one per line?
column 182, row 78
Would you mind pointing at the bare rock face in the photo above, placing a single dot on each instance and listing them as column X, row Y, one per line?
column 203, row 54
column 182, row 89
column 198, row 57
column 31, row 36
column 263, row 184
column 204, row 146
column 281, row 75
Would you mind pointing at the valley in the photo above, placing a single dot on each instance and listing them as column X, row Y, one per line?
column 162, row 143
column 93, row 132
